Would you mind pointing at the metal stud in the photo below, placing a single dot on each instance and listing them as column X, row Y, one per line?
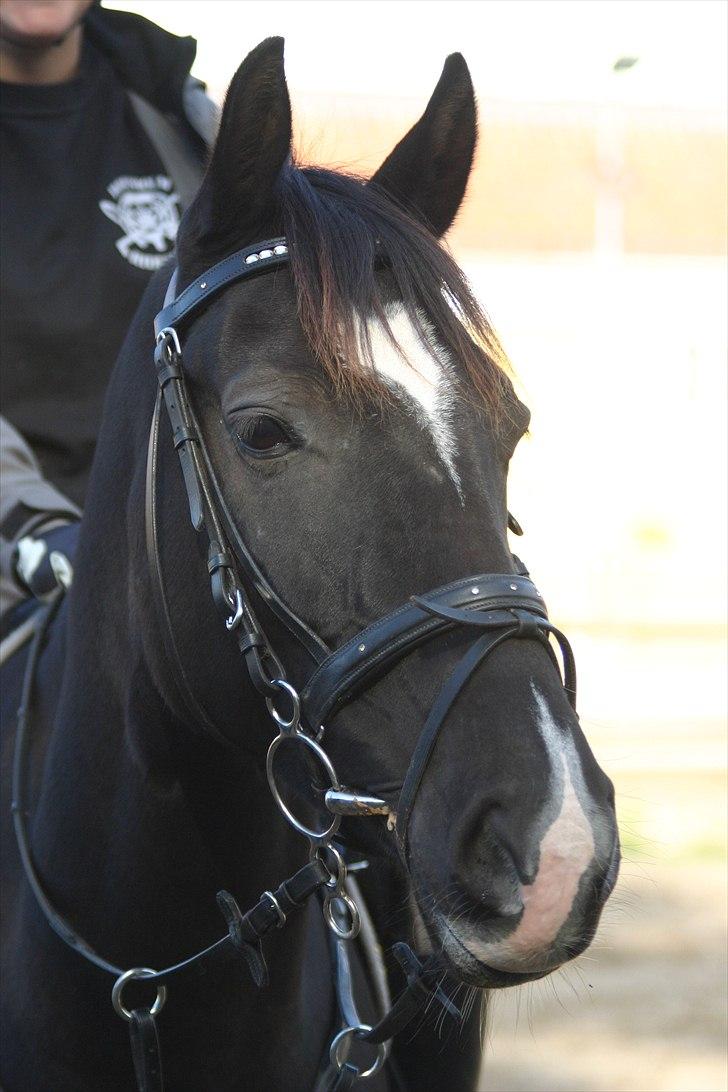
column 280, row 249
column 475, row 591
column 362, row 648
column 266, row 254
column 514, row 587
column 203, row 284
column 251, row 258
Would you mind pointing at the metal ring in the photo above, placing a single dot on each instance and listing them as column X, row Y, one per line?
column 317, row 836
column 285, row 725
column 353, row 930
column 337, row 878
column 343, row 1037
column 134, row 973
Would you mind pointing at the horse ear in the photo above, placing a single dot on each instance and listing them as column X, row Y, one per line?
column 428, row 170
column 235, row 203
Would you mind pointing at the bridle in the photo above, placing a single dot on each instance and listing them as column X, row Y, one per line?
column 497, row 606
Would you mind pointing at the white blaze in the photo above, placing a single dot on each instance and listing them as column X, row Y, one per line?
column 422, row 377
column 567, row 850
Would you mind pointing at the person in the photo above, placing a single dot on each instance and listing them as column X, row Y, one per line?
column 104, row 136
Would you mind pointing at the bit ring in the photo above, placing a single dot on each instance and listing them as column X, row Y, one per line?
column 315, row 836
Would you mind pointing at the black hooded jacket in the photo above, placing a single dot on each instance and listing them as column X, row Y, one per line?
column 94, row 176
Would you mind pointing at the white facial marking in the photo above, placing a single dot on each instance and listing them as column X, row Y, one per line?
column 567, row 850
column 422, row 376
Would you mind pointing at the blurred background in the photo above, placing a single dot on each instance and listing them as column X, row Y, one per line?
column 595, row 234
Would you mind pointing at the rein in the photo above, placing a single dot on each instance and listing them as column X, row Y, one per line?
column 497, row 606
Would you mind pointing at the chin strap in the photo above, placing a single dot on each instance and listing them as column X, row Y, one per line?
column 423, row 986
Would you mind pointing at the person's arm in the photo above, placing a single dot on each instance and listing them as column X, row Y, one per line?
column 29, row 507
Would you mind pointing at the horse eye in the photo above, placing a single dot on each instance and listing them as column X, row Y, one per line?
column 263, row 435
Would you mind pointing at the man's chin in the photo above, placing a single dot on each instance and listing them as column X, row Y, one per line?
column 31, row 43
column 21, row 31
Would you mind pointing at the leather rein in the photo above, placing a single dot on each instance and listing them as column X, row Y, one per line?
column 497, row 607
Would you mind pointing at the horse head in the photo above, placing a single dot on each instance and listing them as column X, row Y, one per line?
column 359, row 418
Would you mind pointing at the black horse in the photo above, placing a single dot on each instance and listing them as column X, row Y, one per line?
column 360, row 425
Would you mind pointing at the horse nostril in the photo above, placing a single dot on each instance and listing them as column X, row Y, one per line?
column 488, row 874
column 507, row 907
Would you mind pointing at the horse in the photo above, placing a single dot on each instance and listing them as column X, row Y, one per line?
column 351, row 401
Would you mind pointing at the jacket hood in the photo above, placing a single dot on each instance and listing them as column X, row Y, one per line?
column 148, row 60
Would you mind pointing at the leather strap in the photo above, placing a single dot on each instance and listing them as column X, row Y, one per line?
column 231, row 269
column 251, row 927
column 196, row 714
column 346, row 1078
column 20, row 809
column 183, row 167
column 145, row 1051
column 209, row 514
column 428, row 736
column 380, row 645
column 421, row 989
column 317, row 649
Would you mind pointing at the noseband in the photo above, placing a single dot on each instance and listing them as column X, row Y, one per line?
column 498, row 607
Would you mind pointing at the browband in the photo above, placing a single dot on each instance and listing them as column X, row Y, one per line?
column 231, row 269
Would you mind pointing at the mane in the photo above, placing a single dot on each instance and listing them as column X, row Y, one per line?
column 341, row 233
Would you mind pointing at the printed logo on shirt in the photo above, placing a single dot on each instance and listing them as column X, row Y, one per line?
column 146, row 211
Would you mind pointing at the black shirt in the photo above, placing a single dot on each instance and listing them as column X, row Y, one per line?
column 87, row 214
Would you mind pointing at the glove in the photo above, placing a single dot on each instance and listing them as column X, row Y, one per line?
column 44, row 561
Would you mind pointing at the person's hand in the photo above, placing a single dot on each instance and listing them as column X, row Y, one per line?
column 44, row 560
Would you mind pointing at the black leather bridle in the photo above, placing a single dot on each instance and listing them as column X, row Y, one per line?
column 497, row 606
column 500, row 606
